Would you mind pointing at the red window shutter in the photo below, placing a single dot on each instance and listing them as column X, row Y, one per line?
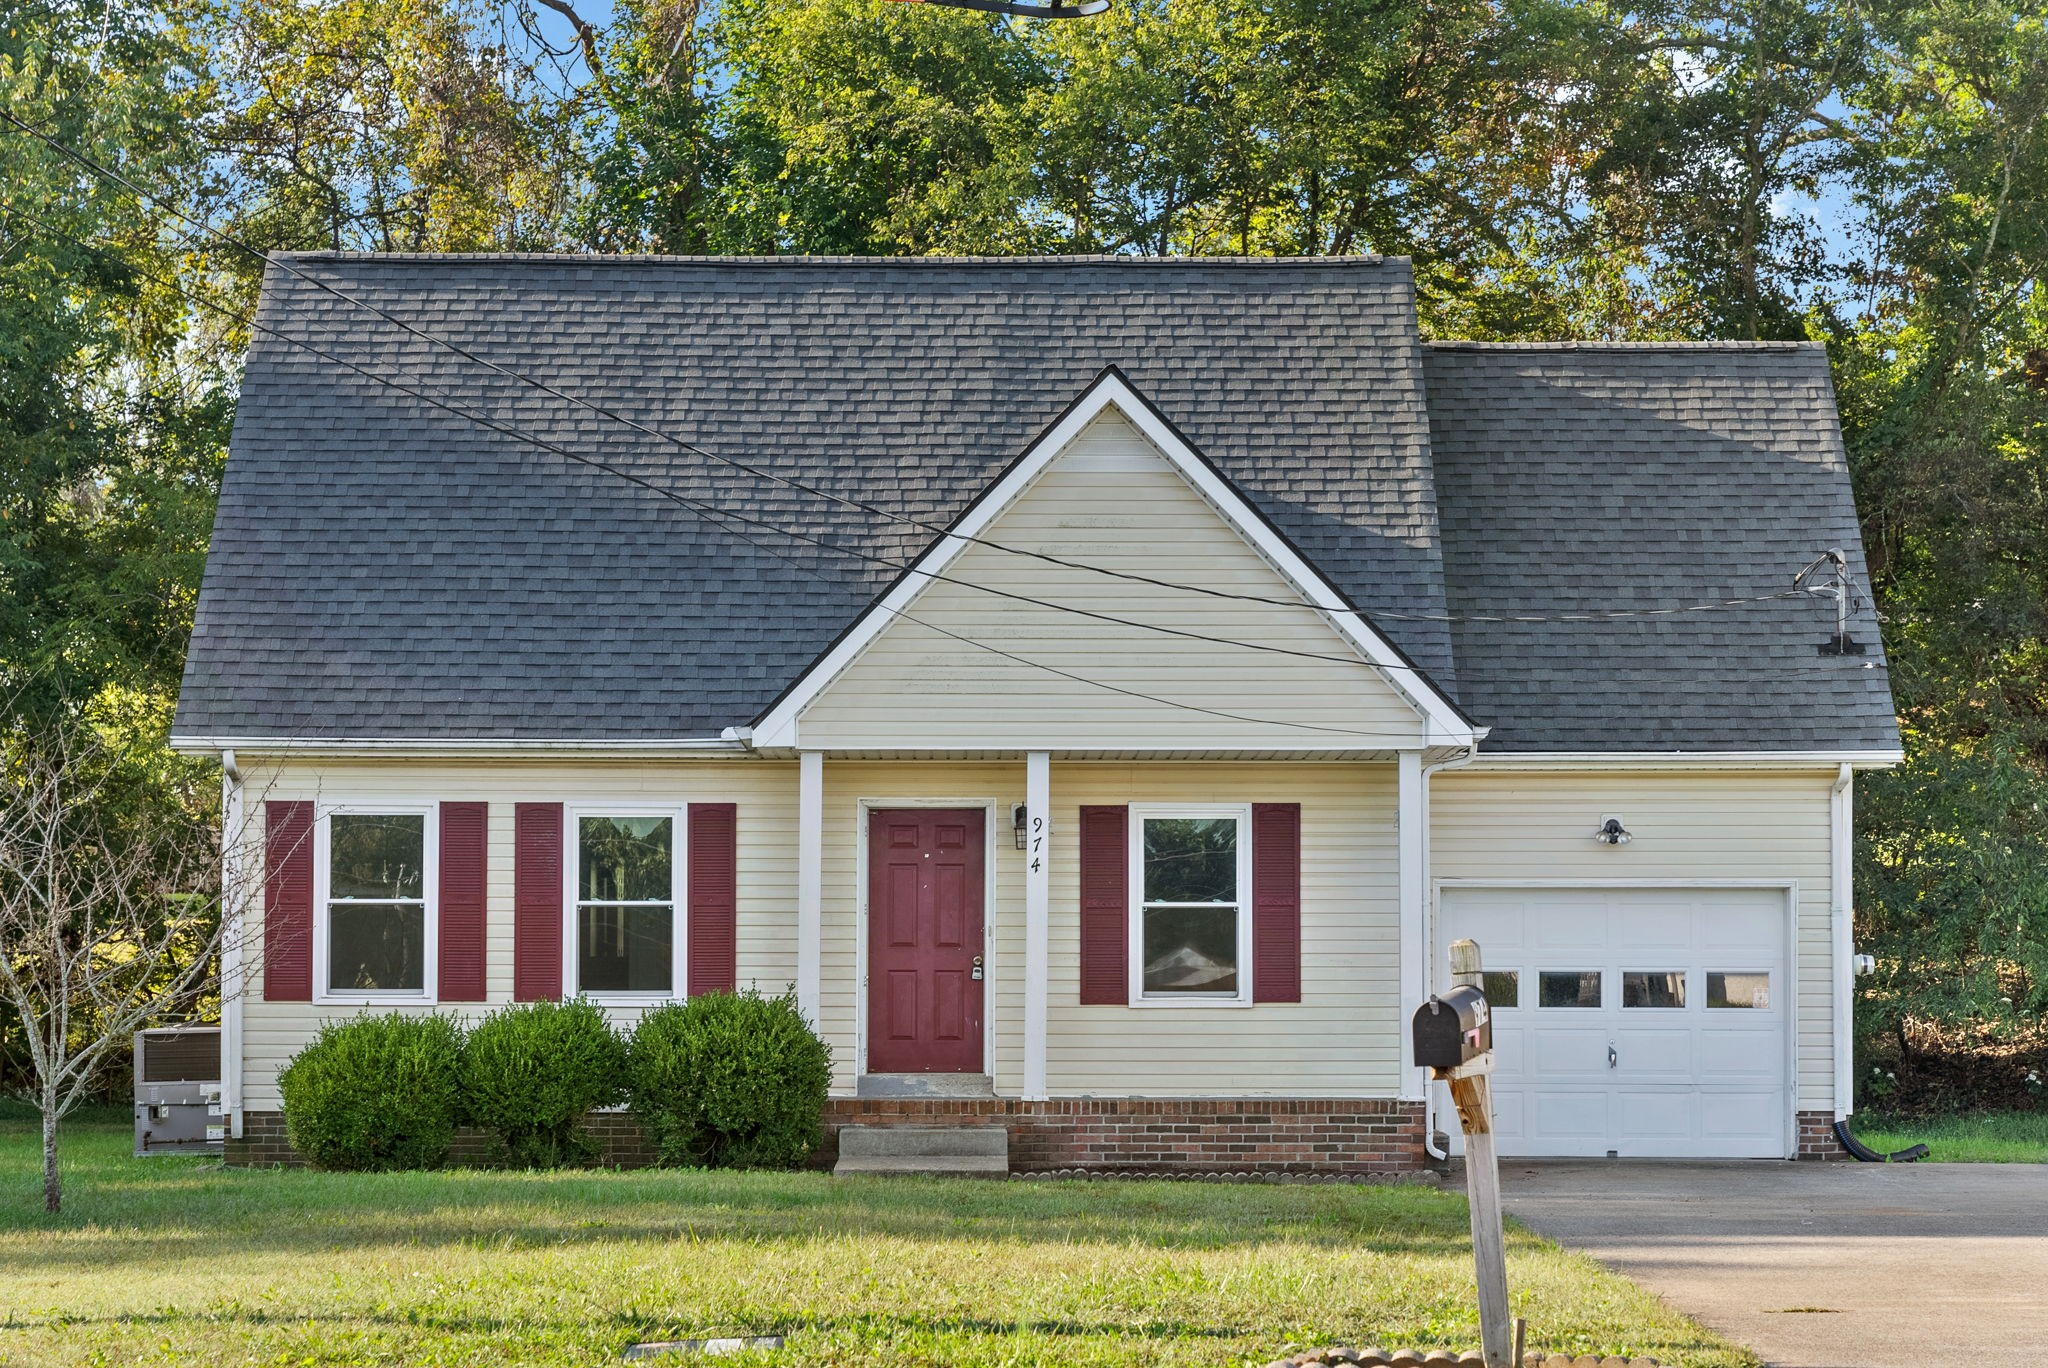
column 1105, row 905
column 1276, row 902
column 712, row 947
column 465, row 832
column 288, row 902
column 536, row 902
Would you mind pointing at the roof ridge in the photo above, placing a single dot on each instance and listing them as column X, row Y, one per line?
column 1455, row 344
column 653, row 259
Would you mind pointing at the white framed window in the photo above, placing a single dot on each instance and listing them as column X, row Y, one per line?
column 375, row 903
column 624, row 933
column 1191, row 905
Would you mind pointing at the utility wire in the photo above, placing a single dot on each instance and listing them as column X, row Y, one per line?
column 861, row 505
column 705, row 513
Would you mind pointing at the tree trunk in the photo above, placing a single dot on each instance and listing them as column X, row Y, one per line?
column 53, row 1186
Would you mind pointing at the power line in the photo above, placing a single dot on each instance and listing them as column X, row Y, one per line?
column 860, row 505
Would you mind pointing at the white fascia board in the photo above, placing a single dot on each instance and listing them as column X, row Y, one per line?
column 1558, row 760
column 1444, row 724
column 481, row 748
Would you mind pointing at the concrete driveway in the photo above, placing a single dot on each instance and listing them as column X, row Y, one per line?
column 1818, row 1265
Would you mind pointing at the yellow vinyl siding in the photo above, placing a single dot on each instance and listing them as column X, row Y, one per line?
column 765, row 791
column 1111, row 499
column 1688, row 825
column 1341, row 1040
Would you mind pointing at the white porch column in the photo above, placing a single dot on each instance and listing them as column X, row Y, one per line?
column 810, row 880
column 1413, row 899
column 237, row 899
column 1037, row 917
column 1842, row 935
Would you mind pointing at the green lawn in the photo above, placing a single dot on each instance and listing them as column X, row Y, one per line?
column 180, row 1261
column 1980, row 1138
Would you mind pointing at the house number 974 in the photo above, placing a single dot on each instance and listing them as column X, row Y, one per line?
column 1037, row 842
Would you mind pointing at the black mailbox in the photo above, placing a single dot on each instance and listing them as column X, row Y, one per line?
column 1453, row 1028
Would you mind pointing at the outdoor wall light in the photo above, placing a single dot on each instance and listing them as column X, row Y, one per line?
column 1612, row 832
column 1020, row 818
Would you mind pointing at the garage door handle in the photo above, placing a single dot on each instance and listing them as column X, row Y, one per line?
column 1612, row 1058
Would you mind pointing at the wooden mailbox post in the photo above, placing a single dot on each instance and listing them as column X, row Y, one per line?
column 1471, row 1091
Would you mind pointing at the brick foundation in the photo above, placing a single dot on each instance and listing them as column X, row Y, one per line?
column 1100, row 1135
column 1817, row 1136
column 1193, row 1135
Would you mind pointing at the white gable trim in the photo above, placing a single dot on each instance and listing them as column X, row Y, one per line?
column 1445, row 725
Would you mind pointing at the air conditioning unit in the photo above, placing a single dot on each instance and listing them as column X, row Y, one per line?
column 177, row 1091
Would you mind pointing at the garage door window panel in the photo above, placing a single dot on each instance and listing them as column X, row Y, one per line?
column 1652, row 989
column 1502, row 987
column 1738, row 991
column 1568, row 988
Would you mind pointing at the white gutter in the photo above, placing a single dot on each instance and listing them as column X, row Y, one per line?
column 486, row 748
column 1842, row 925
column 1580, row 760
column 232, row 978
column 1429, row 946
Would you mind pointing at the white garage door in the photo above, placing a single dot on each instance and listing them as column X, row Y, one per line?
column 1637, row 1022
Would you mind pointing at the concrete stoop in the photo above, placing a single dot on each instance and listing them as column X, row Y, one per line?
column 950, row 1151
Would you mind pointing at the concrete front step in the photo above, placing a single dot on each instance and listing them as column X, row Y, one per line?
column 967, row 1150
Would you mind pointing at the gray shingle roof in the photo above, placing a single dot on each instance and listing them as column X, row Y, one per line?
column 1583, row 478
column 381, row 569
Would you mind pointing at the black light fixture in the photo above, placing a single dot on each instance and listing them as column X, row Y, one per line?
column 1020, row 818
column 1612, row 832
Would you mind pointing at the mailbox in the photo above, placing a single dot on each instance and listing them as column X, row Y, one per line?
column 1452, row 1028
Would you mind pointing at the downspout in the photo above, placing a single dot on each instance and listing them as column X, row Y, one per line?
column 1429, row 1130
column 1842, row 924
column 231, row 975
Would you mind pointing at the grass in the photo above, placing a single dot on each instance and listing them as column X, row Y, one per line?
column 1976, row 1138
column 179, row 1260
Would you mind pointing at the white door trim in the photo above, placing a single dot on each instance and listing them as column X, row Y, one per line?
column 1440, row 973
column 862, row 807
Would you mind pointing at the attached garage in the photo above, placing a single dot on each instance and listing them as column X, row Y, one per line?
column 1636, row 1021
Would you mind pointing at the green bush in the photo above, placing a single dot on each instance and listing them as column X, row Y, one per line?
column 375, row 1092
column 531, row 1072
column 730, row 1080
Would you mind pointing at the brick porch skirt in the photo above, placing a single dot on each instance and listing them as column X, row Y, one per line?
column 1817, row 1136
column 1101, row 1135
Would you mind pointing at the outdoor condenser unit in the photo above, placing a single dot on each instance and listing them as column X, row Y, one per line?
column 177, row 1091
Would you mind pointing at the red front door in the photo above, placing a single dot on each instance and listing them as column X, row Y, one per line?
column 925, row 890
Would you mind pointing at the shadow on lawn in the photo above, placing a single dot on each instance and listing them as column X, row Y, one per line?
column 120, row 1208
column 630, row 1328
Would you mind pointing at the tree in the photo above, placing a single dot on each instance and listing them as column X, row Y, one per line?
column 112, row 914
column 1948, row 434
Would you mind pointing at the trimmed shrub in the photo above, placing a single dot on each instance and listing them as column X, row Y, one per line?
column 532, row 1072
column 730, row 1080
column 375, row 1092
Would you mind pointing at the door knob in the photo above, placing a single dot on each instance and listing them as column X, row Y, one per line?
column 976, row 975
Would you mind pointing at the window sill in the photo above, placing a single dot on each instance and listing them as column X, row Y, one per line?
column 375, row 1000
column 1199, row 1004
